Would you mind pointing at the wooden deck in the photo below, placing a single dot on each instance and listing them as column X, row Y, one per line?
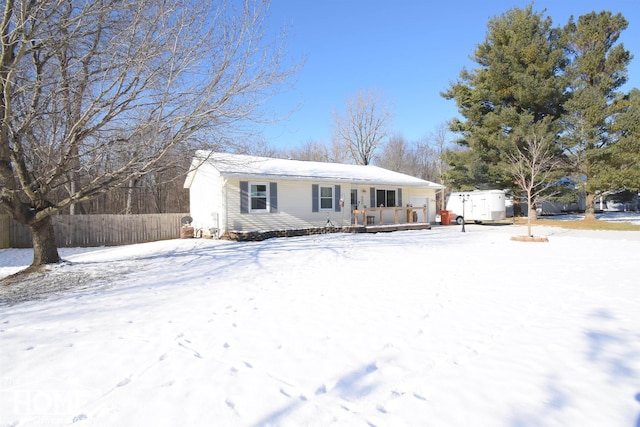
column 376, row 228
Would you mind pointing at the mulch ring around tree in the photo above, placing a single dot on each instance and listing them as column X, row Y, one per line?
column 530, row 238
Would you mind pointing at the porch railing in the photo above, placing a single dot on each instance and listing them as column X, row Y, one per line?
column 401, row 215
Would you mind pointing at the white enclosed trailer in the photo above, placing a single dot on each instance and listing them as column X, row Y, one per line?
column 479, row 206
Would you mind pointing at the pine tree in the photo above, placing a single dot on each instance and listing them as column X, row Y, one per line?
column 519, row 72
column 623, row 157
column 597, row 70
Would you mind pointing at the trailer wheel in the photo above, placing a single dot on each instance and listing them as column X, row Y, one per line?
column 459, row 220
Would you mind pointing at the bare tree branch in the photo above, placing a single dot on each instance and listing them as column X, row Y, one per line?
column 364, row 125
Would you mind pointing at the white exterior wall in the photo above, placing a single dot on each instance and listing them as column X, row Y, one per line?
column 418, row 197
column 206, row 199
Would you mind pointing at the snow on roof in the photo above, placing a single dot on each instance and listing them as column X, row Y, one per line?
column 243, row 166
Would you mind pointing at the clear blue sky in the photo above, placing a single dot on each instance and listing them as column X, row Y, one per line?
column 410, row 50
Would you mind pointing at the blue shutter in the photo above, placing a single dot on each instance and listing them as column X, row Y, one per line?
column 273, row 196
column 399, row 197
column 244, row 197
column 315, row 198
column 372, row 194
column 336, row 199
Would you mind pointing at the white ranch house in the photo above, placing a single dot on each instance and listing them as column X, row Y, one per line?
column 238, row 193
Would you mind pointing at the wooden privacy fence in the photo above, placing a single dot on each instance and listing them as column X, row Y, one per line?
column 4, row 231
column 96, row 230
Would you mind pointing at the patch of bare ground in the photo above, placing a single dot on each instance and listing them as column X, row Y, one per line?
column 582, row 224
column 37, row 283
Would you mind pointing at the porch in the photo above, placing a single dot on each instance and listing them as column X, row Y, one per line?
column 406, row 215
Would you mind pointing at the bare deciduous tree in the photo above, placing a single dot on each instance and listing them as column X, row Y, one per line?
column 439, row 143
column 123, row 83
column 534, row 162
column 398, row 155
column 363, row 126
column 311, row 150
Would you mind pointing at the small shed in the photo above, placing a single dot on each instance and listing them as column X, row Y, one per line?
column 239, row 193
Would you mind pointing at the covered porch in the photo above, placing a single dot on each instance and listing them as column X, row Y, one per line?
column 390, row 216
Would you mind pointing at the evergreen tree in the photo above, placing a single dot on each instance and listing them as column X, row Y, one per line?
column 597, row 70
column 623, row 157
column 519, row 72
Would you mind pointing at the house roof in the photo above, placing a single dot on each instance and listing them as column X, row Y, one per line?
column 252, row 167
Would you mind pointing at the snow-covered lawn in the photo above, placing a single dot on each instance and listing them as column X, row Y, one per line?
column 429, row 328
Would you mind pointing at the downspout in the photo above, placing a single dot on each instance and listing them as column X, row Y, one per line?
column 223, row 190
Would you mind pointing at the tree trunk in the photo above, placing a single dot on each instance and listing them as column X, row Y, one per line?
column 129, row 203
column 517, row 207
column 532, row 215
column 45, row 250
column 589, row 210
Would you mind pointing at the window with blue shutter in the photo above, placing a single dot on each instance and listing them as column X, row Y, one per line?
column 337, row 198
column 387, row 198
column 326, row 197
column 258, row 197
column 323, row 197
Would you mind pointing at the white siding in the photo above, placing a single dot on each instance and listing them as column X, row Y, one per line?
column 419, row 197
column 294, row 209
column 207, row 200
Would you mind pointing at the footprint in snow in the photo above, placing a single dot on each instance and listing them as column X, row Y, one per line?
column 195, row 353
column 292, row 392
column 124, row 382
column 285, row 392
column 80, row 417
